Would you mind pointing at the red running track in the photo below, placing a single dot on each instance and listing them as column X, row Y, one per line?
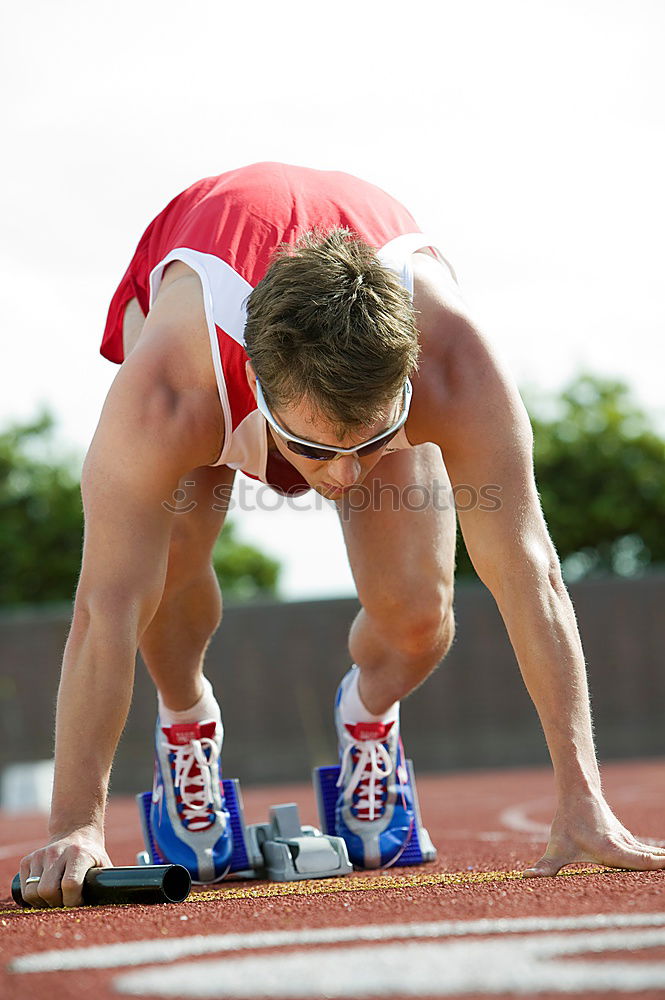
column 466, row 925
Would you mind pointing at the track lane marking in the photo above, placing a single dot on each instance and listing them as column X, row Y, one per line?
column 515, row 817
column 522, row 965
column 167, row 950
column 376, row 883
column 317, row 887
column 493, row 836
column 19, row 849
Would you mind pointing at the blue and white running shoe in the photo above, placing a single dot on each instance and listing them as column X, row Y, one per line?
column 375, row 812
column 188, row 814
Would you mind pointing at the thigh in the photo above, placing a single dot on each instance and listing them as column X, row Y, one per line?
column 400, row 529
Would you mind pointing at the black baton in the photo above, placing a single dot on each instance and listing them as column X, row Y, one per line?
column 133, row 884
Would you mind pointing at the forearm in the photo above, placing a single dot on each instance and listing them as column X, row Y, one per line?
column 93, row 701
column 541, row 624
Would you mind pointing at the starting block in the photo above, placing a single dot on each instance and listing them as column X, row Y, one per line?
column 291, row 852
column 419, row 848
column 280, row 850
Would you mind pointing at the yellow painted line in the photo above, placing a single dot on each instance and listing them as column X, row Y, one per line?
column 320, row 887
column 367, row 883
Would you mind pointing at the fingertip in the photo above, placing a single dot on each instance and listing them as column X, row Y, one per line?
column 71, row 890
column 70, row 905
column 72, row 897
column 540, row 871
column 33, row 900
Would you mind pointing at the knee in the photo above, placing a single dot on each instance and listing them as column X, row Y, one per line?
column 419, row 625
column 427, row 632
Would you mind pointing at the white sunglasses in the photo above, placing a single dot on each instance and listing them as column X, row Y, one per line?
column 324, row 453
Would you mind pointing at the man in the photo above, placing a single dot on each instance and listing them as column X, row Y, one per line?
column 345, row 363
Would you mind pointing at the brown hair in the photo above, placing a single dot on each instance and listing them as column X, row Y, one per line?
column 331, row 323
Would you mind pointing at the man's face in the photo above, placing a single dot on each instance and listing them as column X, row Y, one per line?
column 334, row 478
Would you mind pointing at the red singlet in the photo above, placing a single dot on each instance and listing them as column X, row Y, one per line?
column 226, row 229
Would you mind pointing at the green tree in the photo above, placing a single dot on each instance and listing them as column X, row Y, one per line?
column 41, row 527
column 600, row 469
column 40, row 518
column 243, row 571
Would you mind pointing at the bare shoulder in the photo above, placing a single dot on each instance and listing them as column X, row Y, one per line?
column 162, row 416
column 176, row 325
column 462, row 384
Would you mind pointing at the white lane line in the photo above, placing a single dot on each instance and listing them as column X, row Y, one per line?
column 23, row 847
column 515, row 817
column 170, row 949
column 525, row 965
column 491, row 835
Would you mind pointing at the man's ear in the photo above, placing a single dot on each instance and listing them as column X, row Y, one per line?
column 251, row 377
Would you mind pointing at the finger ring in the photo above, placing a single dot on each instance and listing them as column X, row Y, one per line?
column 33, row 878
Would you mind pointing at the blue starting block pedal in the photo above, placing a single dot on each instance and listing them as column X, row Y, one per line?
column 281, row 850
column 242, row 864
column 419, row 848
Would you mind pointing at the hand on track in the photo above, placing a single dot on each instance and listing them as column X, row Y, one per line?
column 62, row 866
column 590, row 832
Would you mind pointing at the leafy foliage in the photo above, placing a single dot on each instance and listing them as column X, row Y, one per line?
column 600, row 470
column 243, row 571
column 601, row 474
column 41, row 527
column 41, row 518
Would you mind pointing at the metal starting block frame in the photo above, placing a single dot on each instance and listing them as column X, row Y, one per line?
column 418, row 850
column 291, row 852
column 281, row 850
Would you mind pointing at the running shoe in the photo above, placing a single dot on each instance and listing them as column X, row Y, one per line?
column 190, row 822
column 375, row 811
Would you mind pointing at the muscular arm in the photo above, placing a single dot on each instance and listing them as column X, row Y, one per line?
column 156, row 425
column 474, row 412
column 486, row 441
column 137, row 456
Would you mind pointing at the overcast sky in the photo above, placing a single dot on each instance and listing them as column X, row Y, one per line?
column 529, row 136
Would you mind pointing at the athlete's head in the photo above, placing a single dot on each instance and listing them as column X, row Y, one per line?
column 331, row 337
column 331, row 324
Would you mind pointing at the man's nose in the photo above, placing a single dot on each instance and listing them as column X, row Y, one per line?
column 345, row 470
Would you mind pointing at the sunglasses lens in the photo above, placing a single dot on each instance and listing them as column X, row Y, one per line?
column 368, row 449
column 309, row 451
column 315, row 454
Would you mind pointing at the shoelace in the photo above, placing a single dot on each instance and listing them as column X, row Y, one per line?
column 373, row 765
column 193, row 775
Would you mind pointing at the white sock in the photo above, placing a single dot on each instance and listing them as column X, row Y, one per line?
column 205, row 708
column 352, row 707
